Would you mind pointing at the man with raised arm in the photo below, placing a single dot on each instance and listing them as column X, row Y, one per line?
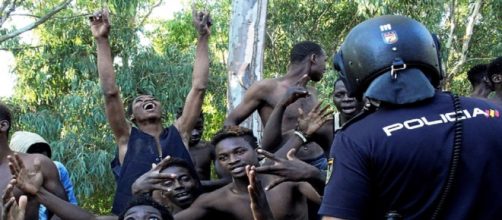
column 149, row 141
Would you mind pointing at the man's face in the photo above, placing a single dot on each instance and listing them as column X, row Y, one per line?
column 181, row 189
column 348, row 106
column 142, row 212
column 233, row 154
column 146, row 107
column 197, row 132
column 319, row 67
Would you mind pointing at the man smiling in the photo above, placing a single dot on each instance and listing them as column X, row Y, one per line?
column 235, row 148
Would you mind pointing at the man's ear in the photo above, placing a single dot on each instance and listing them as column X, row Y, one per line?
column 313, row 58
column 496, row 78
column 4, row 126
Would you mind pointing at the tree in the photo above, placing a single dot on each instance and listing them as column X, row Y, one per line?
column 245, row 60
column 8, row 7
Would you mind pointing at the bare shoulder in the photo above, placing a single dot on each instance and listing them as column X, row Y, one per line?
column 214, row 199
column 265, row 85
column 47, row 165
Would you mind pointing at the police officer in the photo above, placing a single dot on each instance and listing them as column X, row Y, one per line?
column 414, row 152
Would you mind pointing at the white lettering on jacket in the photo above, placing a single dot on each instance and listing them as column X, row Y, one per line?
column 443, row 118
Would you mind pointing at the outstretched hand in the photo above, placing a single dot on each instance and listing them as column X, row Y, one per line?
column 27, row 180
column 290, row 169
column 100, row 24
column 202, row 22
column 12, row 209
column 310, row 123
column 294, row 93
column 153, row 179
column 259, row 204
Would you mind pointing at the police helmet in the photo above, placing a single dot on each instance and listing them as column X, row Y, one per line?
column 386, row 44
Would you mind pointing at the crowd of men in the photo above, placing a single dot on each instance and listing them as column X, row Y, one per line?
column 397, row 147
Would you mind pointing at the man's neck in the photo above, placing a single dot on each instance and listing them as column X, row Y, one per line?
column 480, row 91
column 295, row 73
column 498, row 95
column 240, row 185
column 4, row 149
column 152, row 128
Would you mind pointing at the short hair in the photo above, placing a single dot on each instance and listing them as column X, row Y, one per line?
column 339, row 79
column 304, row 49
column 476, row 73
column 175, row 161
column 5, row 114
column 235, row 131
column 495, row 67
column 147, row 201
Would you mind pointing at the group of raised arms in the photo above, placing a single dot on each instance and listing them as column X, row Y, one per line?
column 165, row 172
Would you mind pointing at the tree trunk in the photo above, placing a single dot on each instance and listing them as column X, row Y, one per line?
column 469, row 29
column 245, row 56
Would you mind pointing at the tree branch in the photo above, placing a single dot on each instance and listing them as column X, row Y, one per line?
column 6, row 15
column 452, row 28
column 469, row 29
column 36, row 23
column 148, row 14
column 55, row 17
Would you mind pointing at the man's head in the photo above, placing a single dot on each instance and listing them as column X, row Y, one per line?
column 198, row 129
column 5, row 120
column 235, row 148
column 477, row 76
column 145, row 208
column 390, row 58
column 29, row 142
column 144, row 108
column 346, row 105
column 312, row 54
column 494, row 73
column 184, row 188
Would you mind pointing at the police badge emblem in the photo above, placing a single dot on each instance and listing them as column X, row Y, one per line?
column 389, row 37
column 331, row 161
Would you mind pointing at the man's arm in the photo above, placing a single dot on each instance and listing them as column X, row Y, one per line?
column 195, row 98
column 66, row 210
column 251, row 102
column 198, row 209
column 51, row 177
column 291, row 169
column 34, row 180
column 309, row 192
column 114, row 109
column 272, row 134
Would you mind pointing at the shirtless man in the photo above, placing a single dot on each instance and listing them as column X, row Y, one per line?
column 48, row 169
column 307, row 63
column 306, row 58
column 173, row 183
column 494, row 74
column 235, row 148
column 481, row 85
column 139, row 147
column 202, row 154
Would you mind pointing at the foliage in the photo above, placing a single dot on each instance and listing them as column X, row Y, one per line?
column 58, row 93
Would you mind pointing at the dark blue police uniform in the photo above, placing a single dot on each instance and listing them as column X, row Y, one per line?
column 398, row 157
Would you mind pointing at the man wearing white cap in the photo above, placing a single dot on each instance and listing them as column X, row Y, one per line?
column 31, row 143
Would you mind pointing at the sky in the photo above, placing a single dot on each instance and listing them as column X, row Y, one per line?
column 7, row 62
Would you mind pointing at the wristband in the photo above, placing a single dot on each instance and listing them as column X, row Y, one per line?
column 301, row 136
